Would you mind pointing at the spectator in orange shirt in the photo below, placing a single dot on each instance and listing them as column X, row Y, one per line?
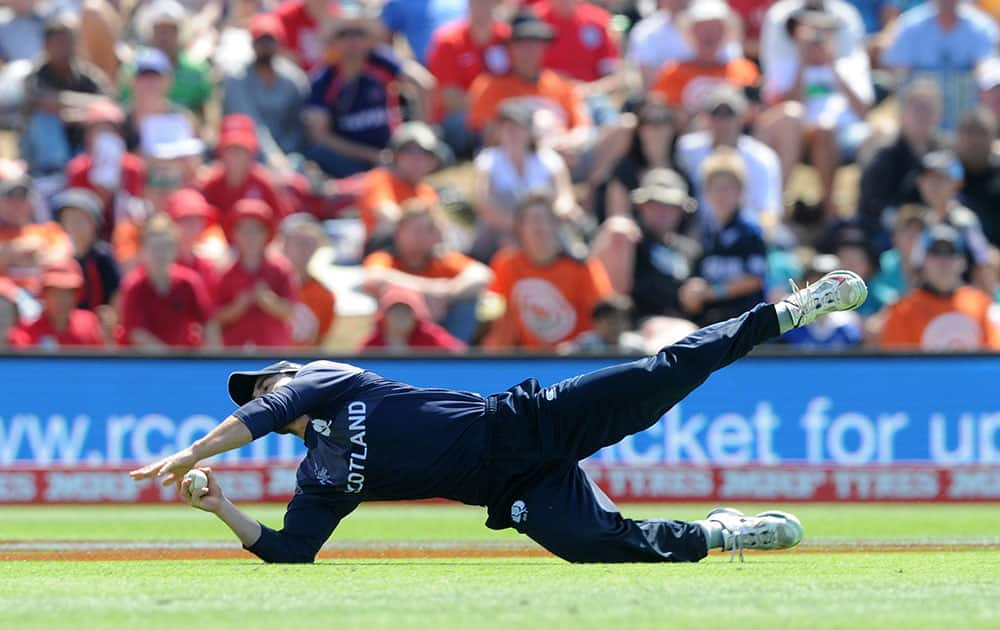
column 944, row 313
column 450, row 282
column 163, row 304
column 560, row 112
column 257, row 293
column 459, row 52
column 550, row 294
column 416, row 153
column 237, row 176
column 17, row 210
column 403, row 324
column 62, row 323
column 315, row 310
column 685, row 84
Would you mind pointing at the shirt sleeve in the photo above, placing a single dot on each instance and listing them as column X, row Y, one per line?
column 309, row 521
column 318, row 383
column 133, row 315
column 441, row 62
column 317, row 91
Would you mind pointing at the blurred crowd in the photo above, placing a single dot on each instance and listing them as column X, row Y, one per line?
column 539, row 175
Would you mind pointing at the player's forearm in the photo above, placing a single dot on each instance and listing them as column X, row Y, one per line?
column 232, row 433
column 246, row 529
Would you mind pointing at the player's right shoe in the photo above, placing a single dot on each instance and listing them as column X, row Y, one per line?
column 836, row 291
column 767, row 531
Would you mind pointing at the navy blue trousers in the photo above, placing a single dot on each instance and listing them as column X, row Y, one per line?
column 542, row 433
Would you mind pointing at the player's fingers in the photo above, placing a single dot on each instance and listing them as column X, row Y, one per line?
column 169, row 479
column 145, row 472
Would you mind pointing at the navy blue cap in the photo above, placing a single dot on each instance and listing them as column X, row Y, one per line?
column 241, row 384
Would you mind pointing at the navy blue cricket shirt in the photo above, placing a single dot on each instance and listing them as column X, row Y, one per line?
column 368, row 438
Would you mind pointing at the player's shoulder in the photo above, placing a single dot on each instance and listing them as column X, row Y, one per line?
column 325, row 366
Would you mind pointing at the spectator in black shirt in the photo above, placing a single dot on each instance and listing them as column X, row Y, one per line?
column 648, row 258
column 81, row 214
column 977, row 131
column 58, row 91
column 731, row 272
column 889, row 179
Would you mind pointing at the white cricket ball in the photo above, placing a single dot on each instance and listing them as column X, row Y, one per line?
column 199, row 481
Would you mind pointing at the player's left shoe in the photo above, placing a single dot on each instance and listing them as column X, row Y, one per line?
column 767, row 531
column 839, row 290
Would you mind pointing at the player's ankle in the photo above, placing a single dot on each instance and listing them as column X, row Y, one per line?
column 785, row 321
column 713, row 533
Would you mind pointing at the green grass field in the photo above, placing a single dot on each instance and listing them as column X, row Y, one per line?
column 939, row 567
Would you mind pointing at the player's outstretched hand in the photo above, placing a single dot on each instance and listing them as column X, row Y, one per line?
column 171, row 468
column 210, row 498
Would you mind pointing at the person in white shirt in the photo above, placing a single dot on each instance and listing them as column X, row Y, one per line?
column 726, row 110
column 659, row 38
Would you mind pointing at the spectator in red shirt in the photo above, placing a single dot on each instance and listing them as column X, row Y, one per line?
column 301, row 236
column 163, row 304
column 257, row 293
column 200, row 241
column 236, row 176
column 79, row 212
column 306, row 24
column 62, row 324
column 11, row 334
column 403, row 324
column 115, row 175
column 459, row 52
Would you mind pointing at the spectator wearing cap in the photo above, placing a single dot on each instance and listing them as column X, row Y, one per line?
column 549, row 293
column 62, row 324
column 564, row 120
column 57, row 92
column 354, row 103
column 12, row 335
column 162, row 25
column 611, row 332
column 459, row 52
column 729, row 278
column 974, row 146
column 888, row 180
column 943, row 312
column 257, row 293
column 943, row 40
column 938, row 183
column 201, row 243
column 306, row 24
column 417, row 20
column 271, row 90
column 155, row 125
column 821, row 104
column 658, row 39
column 506, row 170
column 403, row 325
column 236, row 175
column 417, row 259
column 107, row 168
column 416, row 153
column 79, row 212
column 726, row 110
column 843, row 329
column 315, row 310
column 649, row 258
column 22, row 32
column 709, row 25
column 163, row 304
column 17, row 213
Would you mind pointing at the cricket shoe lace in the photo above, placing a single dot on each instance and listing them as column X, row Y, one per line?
column 836, row 291
column 766, row 531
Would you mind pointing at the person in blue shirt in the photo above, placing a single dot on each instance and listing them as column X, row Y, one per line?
column 730, row 276
column 355, row 103
column 369, row 438
column 416, row 20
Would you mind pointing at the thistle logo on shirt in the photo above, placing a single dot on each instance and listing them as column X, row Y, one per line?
column 518, row 512
column 357, row 418
column 322, row 427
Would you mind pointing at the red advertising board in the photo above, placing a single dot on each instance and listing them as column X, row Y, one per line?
column 275, row 483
